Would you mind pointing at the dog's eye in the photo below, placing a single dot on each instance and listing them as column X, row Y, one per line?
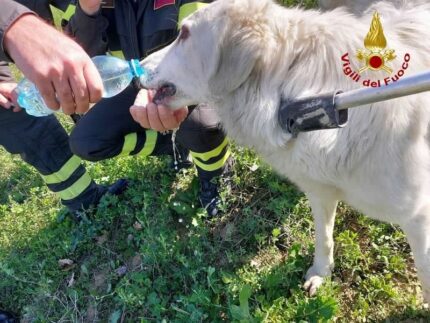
column 184, row 34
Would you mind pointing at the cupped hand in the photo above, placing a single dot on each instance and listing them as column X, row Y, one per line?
column 8, row 96
column 157, row 117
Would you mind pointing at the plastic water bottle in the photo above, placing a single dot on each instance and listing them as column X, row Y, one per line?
column 116, row 74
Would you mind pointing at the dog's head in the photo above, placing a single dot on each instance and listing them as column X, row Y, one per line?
column 218, row 47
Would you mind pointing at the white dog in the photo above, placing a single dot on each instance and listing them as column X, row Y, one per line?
column 242, row 56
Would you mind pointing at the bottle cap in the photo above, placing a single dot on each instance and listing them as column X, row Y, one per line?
column 136, row 69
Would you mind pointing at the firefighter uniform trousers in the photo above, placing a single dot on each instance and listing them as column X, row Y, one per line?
column 108, row 130
column 43, row 143
column 133, row 29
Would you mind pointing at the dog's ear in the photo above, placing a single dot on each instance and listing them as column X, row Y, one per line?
column 238, row 53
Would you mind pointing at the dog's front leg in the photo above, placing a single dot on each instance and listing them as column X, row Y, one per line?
column 417, row 231
column 324, row 211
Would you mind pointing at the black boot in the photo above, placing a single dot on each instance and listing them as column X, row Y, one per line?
column 117, row 188
column 7, row 317
column 209, row 196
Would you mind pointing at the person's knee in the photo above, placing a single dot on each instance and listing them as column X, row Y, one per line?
column 201, row 131
column 86, row 148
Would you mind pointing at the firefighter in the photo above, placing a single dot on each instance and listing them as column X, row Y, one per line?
column 134, row 29
column 43, row 143
column 64, row 73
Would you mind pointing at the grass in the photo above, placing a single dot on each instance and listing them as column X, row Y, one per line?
column 153, row 256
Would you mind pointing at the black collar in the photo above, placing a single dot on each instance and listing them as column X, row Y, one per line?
column 311, row 113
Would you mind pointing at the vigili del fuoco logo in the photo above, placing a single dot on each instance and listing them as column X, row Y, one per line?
column 375, row 57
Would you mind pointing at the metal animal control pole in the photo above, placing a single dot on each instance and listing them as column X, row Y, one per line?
column 329, row 111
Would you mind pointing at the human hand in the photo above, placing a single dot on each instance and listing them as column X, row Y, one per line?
column 157, row 117
column 90, row 7
column 8, row 96
column 59, row 67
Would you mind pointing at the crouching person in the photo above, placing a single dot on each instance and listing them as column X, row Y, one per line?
column 43, row 143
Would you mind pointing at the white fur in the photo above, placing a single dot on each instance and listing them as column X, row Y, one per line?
column 243, row 55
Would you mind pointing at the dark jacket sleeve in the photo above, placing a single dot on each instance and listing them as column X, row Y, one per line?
column 5, row 73
column 40, row 7
column 60, row 4
column 88, row 31
column 43, row 7
column 9, row 12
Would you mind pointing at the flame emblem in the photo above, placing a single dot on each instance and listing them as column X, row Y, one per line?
column 376, row 55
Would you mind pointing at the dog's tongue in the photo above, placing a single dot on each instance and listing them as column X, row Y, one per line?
column 163, row 92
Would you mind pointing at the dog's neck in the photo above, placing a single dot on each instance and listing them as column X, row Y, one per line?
column 290, row 67
column 312, row 47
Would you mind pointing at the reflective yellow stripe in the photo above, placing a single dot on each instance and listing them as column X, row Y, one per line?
column 76, row 189
column 151, row 140
column 214, row 166
column 188, row 8
column 65, row 172
column 70, row 11
column 211, row 154
column 129, row 144
column 56, row 14
column 117, row 53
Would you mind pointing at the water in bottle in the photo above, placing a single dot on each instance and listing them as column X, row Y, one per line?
column 115, row 73
column 30, row 99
